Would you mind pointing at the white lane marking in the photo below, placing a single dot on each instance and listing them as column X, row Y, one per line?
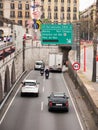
column 9, row 105
column 74, row 105
column 28, row 75
column 42, row 105
column 43, row 89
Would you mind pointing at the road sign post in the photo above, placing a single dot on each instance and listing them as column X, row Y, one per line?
column 76, row 66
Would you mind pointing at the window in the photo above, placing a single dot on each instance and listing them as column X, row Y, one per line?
column 20, row 22
column 49, row 15
column 74, row 17
column 55, row 8
column 62, row 16
column 26, row 23
column 42, row 8
column 62, row 1
column 75, row 1
column 55, row 0
column 74, row 9
column 68, row 9
column 1, row 5
column 49, row 0
column 27, row 14
column 1, row 13
column 1, row 23
column 68, row 1
column 43, row 15
column 55, row 16
column 19, row 6
column 49, row 9
column 19, row 14
column 12, row 6
column 62, row 9
column 68, row 16
column 27, row 6
column 12, row 14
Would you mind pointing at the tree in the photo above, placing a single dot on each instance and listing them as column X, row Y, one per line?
column 87, row 28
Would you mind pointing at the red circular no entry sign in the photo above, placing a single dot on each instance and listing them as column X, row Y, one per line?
column 76, row 66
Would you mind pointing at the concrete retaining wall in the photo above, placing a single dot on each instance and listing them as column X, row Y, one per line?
column 88, row 92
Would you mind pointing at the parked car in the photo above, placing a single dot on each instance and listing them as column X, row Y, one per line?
column 58, row 101
column 30, row 87
column 39, row 64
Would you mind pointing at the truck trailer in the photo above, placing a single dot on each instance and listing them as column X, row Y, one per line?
column 55, row 62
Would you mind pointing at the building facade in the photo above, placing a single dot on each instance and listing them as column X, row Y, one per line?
column 54, row 10
column 60, row 10
column 89, row 13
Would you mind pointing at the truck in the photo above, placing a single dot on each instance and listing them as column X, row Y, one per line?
column 55, row 62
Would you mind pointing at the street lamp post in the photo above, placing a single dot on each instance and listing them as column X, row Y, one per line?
column 95, row 45
column 78, row 41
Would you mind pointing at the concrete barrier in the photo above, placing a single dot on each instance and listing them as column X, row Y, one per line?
column 90, row 95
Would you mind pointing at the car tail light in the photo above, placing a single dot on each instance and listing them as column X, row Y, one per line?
column 50, row 103
column 66, row 103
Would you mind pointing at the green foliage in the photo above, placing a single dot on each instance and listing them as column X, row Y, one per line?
column 87, row 28
column 46, row 20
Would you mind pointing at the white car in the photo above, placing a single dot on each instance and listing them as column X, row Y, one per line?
column 30, row 87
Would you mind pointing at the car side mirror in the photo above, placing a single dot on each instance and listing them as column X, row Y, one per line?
column 67, row 97
column 38, row 83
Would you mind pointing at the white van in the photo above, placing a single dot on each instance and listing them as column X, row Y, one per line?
column 39, row 64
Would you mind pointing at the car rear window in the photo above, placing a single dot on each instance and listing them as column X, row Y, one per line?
column 30, row 83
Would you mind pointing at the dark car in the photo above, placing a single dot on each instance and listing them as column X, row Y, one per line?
column 58, row 101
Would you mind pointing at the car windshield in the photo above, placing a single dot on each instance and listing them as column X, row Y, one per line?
column 30, row 83
column 38, row 63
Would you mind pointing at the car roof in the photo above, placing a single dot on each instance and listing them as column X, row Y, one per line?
column 39, row 61
column 29, row 80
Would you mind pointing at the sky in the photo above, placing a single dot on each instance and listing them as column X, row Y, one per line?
column 83, row 4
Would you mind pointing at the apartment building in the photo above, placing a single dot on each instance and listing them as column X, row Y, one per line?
column 15, row 10
column 60, row 11
column 54, row 10
column 89, row 13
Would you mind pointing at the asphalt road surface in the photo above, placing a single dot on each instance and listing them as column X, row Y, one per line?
column 31, row 113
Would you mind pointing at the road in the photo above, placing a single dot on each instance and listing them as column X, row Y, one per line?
column 31, row 113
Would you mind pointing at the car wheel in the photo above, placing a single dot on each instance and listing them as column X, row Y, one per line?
column 49, row 109
column 37, row 94
column 67, row 110
column 21, row 94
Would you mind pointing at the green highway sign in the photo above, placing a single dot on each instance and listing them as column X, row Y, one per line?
column 56, row 34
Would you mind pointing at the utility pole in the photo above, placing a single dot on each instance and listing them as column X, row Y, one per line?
column 95, row 44
column 24, row 54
